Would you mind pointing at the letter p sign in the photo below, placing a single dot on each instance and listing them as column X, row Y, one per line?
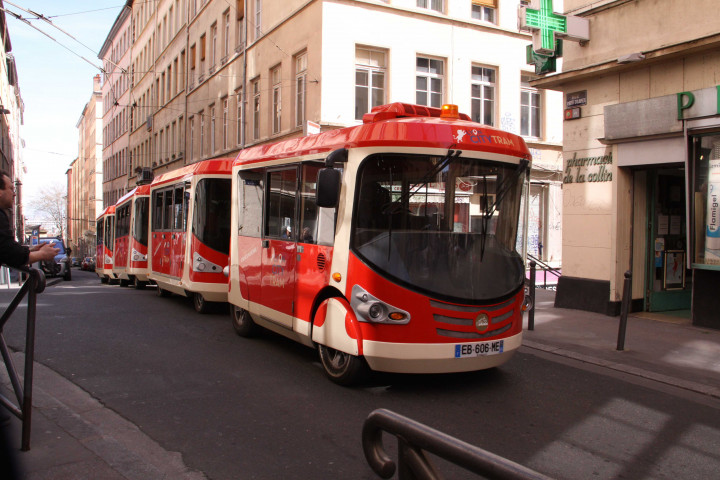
column 685, row 100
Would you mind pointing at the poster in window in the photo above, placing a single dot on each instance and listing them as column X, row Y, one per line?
column 674, row 275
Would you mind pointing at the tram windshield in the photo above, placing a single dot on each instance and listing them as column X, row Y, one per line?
column 211, row 220
column 446, row 226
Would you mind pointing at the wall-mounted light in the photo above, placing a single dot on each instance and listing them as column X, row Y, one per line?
column 630, row 58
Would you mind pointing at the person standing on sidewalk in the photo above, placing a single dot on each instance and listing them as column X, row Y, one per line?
column 14, row 255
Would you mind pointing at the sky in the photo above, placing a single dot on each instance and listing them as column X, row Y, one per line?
column 55, row 83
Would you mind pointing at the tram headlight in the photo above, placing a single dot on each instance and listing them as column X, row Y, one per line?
column 371, row 309
column 375, row 311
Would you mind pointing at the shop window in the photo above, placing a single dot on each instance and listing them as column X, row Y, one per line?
column 705, row 162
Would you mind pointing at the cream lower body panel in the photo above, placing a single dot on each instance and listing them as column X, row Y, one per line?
column 212, row 292
column 433, row 357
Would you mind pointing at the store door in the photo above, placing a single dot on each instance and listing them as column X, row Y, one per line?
column 667, row 279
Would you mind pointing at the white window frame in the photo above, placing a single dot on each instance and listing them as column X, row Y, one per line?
column 276, row 112
column 479, row 116
column 300, row 88
column 529, row 127
column 373, row 70
column 434, row 5
column 431, row 79
column 484, row 11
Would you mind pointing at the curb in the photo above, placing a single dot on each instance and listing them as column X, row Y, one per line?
column 620, row 367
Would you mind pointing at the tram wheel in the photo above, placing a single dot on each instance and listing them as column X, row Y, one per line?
column 124, row 283
column 201, row 305
column 342, row 368
column 104, row 280
column 242, row 322
column 161, row 292
column 139, row 284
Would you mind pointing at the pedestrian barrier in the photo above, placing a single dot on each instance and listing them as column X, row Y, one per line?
column 415, row 439
column 33, row 285
column 546, row 269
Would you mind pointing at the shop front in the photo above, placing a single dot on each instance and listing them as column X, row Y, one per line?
column 669, row 148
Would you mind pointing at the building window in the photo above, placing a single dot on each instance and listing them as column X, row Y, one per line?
column 436, row 5
column 226, row 35
column 225, row 124
column 239, row 120
column 201, row 114
column 300, row 84
column 484, row 10
column 369, row 80
column 212, row 129
column 258, row 18
column 429, row 82
column 213, row 45
column 482, row 95
column 529, row 109
column 191, row 134
column 202, row 57
column 276, row 99
column 256, row 109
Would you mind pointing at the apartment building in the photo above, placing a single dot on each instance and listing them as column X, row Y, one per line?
column 115, row 55
column 642, row 160
column 85, row 176
column 210, row 77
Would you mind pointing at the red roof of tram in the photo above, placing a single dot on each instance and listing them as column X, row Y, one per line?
column 397, row 124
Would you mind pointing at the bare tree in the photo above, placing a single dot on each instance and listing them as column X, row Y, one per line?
column 51, row 204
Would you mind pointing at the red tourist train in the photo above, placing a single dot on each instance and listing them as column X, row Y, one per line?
column 190, row 231
column 130, row 264
column 396, row 245
column 105, row 228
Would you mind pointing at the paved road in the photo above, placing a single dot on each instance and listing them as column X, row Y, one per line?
column 262, row 408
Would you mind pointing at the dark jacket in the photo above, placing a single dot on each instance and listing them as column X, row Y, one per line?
column 11, row 252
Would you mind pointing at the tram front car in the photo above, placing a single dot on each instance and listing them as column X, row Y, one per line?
column 435, row 267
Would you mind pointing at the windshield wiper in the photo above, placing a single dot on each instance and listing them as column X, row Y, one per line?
column 500, row 193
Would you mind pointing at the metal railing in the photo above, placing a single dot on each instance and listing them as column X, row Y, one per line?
column 33, row 285
column 415, row 439
column 546, row 269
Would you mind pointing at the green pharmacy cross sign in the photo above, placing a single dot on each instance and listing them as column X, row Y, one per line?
column 548, row 23
column 547, row 26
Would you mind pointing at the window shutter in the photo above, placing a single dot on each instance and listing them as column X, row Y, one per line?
column 486, row 3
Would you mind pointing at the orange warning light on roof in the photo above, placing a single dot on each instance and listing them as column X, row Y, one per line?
column 449, row 111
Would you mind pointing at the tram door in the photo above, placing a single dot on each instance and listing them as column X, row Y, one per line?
column 280, row 244
column 667, row 282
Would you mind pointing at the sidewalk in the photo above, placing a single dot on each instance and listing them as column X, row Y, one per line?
column 669, row 350
column 75, row 437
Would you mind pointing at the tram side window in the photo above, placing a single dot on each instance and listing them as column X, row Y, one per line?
column 100, row 231
column 211, row 213
column 140, row 220
column 178, row 198
column 250, row 203
column 109, row 240
column 158, row 203
column 280, row 214
column 122, row 217
column 317, row 225
column 167, row 210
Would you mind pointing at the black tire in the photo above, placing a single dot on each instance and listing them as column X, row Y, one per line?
column 160, row 292
column 242, row 321
column 342, row 368
column 139, row 284
column 201, row 305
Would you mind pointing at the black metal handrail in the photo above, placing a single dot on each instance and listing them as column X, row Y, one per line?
column 546, row 269
column 33, row 285
column 414, row 439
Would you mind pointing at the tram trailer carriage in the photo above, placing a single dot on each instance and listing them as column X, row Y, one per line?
column 105, row 236
column 190, row 231
column 130, row 264
column 396, row 245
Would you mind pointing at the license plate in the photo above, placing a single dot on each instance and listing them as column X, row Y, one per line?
column 465, row 350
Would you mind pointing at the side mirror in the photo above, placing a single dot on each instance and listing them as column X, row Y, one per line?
column 327, row 193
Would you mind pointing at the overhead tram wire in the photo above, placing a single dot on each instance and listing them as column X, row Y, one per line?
column 46, row 19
